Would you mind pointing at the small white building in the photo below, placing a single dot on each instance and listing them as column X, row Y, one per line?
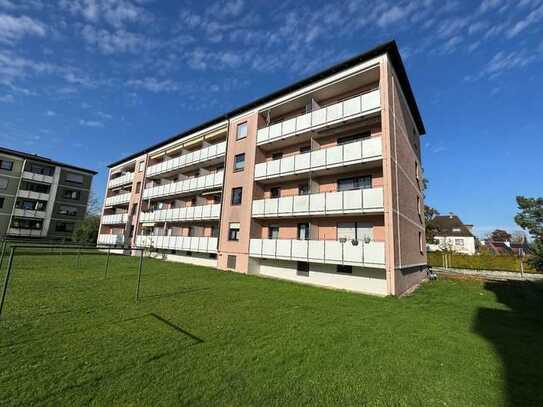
column 453, row 235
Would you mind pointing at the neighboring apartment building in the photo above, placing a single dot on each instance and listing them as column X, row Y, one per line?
column 454, row 235
column 39, row 197
column 318, row 182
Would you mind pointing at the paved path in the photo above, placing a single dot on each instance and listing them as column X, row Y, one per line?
column 494, row 275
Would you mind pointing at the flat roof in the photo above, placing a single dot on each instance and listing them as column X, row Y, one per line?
column 389, row 48
column 45, row 160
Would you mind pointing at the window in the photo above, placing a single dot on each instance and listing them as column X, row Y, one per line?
column 233, row 232
column 275, row 192
column 19, row 223
column 347, row 184
column 6, row 165
column 277, row 156
column 418, row 208
column 359, row 231
column 303, row 189
column 141, row 166
column 273, row 232
column 241, row 131
column 239, row 162
column 341, row 268
column 4, row 183
column 71, row 194
column 303, row 231
column 138, row 187
column 421, row 244
column 231, row 262
column 190, row 231
column 459, row 242
column 305, row 149
column 39, row 169
column 193, row 201
column 67, row 210
column 74, row 178
column 302, row 268
column 417, row 170
column 41, row 188
column 2, row 202
column 456, row 230
column 134, row 209
column 354, row 137
column 64, row 227
column 237, row 195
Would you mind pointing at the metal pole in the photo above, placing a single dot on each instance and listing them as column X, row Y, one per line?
column 78, row 258
column 107, row 262
column 521, row 253
column 2, row 256
column 6, row 280
column 139, row 277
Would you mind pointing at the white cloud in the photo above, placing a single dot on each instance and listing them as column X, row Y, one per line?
column 393, row 15
column 532, row 18
column 111, row 42
column 7, row 98
column 154, row 85
column 91, row 123
column 115, row 12
column 50, row 113
column 104, row 115
column 15, row 28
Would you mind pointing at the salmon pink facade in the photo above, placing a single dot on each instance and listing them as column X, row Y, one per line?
column 318, row 183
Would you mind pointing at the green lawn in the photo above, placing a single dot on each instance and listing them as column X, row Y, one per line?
column 203, row 337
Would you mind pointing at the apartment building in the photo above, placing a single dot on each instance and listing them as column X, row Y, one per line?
column 318, row 182
column 39, row 197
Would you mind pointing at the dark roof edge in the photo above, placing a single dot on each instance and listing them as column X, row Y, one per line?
column 389, row 48
column 28, row 156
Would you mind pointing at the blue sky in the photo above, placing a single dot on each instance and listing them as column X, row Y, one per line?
column 90, row 81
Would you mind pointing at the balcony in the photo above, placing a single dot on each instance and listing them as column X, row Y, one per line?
column 187, row 243
column 320, row 251
column 37, row 177
column 29, row 213
column 40, row 196
column 191, row 213
column 356, row 201
column 118, row 199
column 195, row 157
column 27, row 232
column 358, row 152
column 337, row 113
column 116, row 240
column 122, row 180
column 186, row 186
column 117, row 219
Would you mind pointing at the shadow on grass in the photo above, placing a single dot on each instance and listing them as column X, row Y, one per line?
column 517, row 337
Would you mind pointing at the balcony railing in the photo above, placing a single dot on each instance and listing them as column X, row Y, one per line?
column 194, row 157
column 118, row 199
column 116, row 219
column 324, row 203
column 338, row 156
column 191, row 213
column 122, row 180
column 187, row 243
column 37, row 177
column 29, row 213
column 27, row 232
column 111, row 239
column 348, row 109
column 22, row 193
column 320, row 251
column 188, row 185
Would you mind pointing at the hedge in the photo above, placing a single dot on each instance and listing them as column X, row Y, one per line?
column 479, row 262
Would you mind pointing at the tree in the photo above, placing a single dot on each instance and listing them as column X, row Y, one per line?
column 87, row 230
column 518, row 236
column 500, row 235
column 431, row 227
column 530, row 218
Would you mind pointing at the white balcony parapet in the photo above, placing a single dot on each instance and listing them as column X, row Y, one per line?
column 324, row 203
column 118, row 199
column 26, row 232
column 116, row 219
column 190, row 213
column 188, row 185
column 21, row 193
column 29, row 213
column 361, row 151
column 37, row 177
column 370, row 254
column 357, row 106
column 194, row 157
column 122, row 180
column 187, row 243
column 111, row 239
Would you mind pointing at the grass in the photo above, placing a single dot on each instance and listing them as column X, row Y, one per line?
column 202, row 337
column 480, row 262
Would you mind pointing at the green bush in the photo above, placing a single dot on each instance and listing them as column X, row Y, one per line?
column 479, row 262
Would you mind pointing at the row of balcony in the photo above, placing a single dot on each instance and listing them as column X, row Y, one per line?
column 185, row 186
column 122, row 180
column 21, row 193
column 27, row 232
column 118, row 199
column 362, row 254
column 357, row 106
column 188, row 243
column 37, row 177
column 116, row 219
column 29, row 213
column 116, row 240
column 195, row 157
column 190, row 213
column 325, row 203
column 346, row 154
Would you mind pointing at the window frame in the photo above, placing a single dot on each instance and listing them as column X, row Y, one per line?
column 233, row 198
column 239, row 126
column 275, row 192
column 233, row 232
column 71, row 191
column 68, row 212
column 71, row 181
column 344, row 269
column 237, row 162
column 6, row 180
column 271, row 229
column 10, row 162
